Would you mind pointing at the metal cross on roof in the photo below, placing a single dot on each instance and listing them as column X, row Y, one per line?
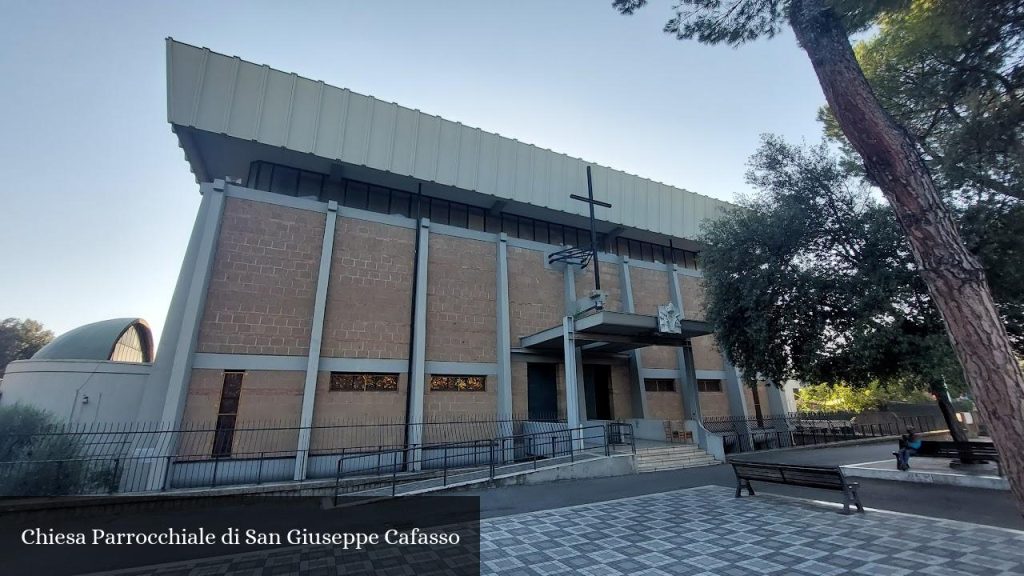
column 576, row 255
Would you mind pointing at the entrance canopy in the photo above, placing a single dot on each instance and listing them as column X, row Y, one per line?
column 611, row 332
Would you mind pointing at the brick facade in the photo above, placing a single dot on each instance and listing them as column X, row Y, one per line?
column 650, row 290
column 369, row 298
column 261, row 295
column 269, row 399
column 536, row 293
column 706, row 355
column 334, row 413
column 665, row 405
column 714, row 403
column 442, row 406
column 461, row 306
column 263, row 281
column 611, row 282
column 693, row 297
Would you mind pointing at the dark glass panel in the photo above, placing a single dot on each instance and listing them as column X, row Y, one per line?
column 356, row 195
column 379, row 199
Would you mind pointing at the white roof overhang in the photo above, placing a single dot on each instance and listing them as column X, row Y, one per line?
column 211, row 95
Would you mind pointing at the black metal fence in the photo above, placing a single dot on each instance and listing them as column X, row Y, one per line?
column 810, row 428
column 377, row 471
column 100, row 458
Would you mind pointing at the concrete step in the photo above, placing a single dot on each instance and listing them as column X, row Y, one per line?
column 681, row 449
column 672, row 458
column 646, row 462
column 701, row 458
column 646, row 469
column 673, row 454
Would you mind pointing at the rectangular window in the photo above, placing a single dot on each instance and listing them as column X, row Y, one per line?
column 284, row 180
column 493, row 223
column 440, row 211
column 457, row 383
column 379, row 200
column 459, row 215
column 555, row 234
column 356, row 195
column 525, row 228
column 363, row 382
column 227, row 413
column 709, row 385
column 659, row 384
column 476, row 219
column 400, row 203
column 263, row 177
column 311, row 184
column 509, row 225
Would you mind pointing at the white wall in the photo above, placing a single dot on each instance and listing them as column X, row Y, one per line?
column 114, row 389
column 787, row 395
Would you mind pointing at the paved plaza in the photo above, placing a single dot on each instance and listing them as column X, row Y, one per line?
column 700, row 531
column 706, row 531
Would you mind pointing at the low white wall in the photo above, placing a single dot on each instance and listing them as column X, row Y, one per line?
column 113, row 389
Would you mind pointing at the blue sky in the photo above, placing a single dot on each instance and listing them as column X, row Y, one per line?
column 98, row 201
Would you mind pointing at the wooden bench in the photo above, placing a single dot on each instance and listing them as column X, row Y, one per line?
column 973, row 452
column 824, row 477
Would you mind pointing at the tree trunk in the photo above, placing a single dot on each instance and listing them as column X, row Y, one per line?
column 956, row 431
column 954, row 277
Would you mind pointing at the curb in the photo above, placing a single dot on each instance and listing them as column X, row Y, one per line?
column 857, row 442
column 936, row 478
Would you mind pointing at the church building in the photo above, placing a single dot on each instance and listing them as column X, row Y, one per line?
column 354, row 260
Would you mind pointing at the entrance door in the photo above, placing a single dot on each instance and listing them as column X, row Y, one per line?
column 597, row 386
column 541, row 391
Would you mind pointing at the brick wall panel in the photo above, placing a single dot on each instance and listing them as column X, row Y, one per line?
column 650, row 290
column 461, row 305
column 263, row 281
column 344, row 419
column 536, row 294
column 369, row 298
column 611, row 282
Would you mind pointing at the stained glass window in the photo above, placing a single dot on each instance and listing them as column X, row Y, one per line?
column 363, row 382
column 227, row 413
column 457, row 383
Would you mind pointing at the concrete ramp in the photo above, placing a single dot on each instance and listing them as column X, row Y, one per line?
column 581, row 465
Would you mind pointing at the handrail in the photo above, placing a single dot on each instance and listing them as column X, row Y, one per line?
column 473, row 449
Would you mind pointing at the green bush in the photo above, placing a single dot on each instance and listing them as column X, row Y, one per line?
column 845, row 398
column 38, row 457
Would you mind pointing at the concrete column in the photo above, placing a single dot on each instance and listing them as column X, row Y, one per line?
column 504, row 352
column 178, row 365
column 315, row 338
column 570, row 290
column 737, row 397
column 576, row 413
column 684, row 356
column 777, row 409
column 417, row 378
column 572, row 387
column 638, row 394
column 776, row 404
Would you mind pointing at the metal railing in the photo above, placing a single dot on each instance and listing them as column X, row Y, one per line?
column 131, row 457
column 384, row 469
column 810, row 428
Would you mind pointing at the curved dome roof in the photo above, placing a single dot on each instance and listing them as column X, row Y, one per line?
column 118, row 339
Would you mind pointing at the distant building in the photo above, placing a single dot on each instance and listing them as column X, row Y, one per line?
column 94, row 373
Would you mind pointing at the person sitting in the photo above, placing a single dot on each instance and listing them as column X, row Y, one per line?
column 909, row 445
